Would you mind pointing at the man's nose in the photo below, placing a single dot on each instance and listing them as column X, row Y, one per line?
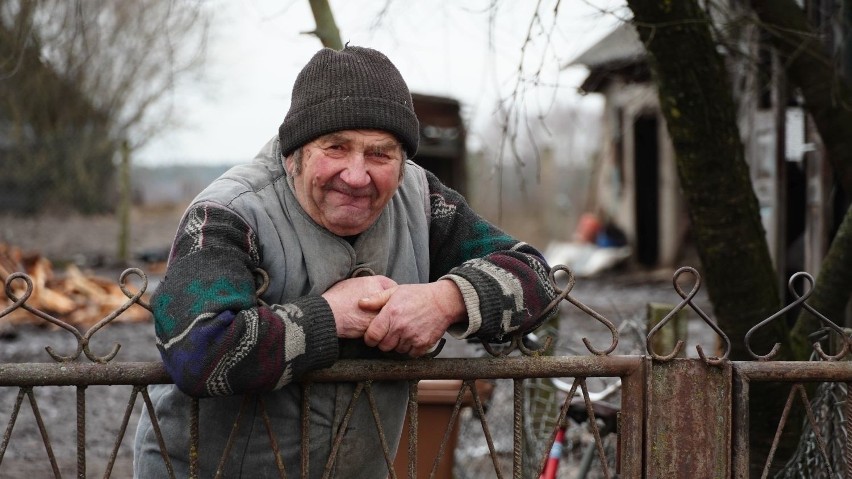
column 355, row 174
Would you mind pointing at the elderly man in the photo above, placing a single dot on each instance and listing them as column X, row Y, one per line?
column 331, row 197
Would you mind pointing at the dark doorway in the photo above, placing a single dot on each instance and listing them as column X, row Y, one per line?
column 647, row 165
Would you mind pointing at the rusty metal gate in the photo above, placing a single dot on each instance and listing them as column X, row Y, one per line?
column 678, row 417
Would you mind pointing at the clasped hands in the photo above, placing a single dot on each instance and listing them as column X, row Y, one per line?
column 405, row 318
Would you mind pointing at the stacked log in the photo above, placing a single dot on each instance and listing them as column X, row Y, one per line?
column 78, row 298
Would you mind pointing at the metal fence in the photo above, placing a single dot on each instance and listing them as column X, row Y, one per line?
column 676, row 417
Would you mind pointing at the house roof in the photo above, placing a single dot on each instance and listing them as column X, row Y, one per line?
column 619, row 54
column 621, row 46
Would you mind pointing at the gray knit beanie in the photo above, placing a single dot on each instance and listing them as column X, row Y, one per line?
column 355, row 88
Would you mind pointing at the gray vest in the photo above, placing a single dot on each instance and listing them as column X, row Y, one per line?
column 301, row 258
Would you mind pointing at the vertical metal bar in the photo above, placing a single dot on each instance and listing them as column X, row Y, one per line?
column 341, row 431
column 155, row 425
column 279, row 463
column 374, row 408
column 593, row 423
column 81, row 432
column 43, row 430
column 121, row 431
column 815, row 427
column 12, row 418
column 412, row 428
column 220, row 469
column 560, row 421
column 194, row 439
column 740, row 414
column 517, row 429
column 785, row 414
column 485, row 430
column 688, row 434
column 467, row 385
column 631, row 432
column 306, row 428
column 848, row 421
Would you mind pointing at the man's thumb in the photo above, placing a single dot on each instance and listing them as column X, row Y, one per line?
column 376, row 301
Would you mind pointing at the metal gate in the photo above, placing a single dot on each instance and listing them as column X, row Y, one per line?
column 678, row 417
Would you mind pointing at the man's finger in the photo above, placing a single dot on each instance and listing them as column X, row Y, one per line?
column 376, row 331
column 391, row 342
column 376, row 301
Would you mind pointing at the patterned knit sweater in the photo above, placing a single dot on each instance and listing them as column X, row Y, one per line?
column 216, row 338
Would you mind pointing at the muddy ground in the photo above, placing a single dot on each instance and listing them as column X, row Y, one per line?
column 619, row 296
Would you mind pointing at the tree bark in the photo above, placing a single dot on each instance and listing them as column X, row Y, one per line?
column 326, row 30
column 696, row 100
column 828, row 100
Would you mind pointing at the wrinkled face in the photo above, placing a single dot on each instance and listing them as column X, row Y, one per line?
column 347, row 177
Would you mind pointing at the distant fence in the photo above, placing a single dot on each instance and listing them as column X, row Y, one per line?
column 677, row 417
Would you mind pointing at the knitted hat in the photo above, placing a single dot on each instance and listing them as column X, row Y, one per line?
column 355, row 88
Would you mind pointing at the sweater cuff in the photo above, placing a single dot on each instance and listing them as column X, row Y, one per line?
column 321, row 332
column 464, row 329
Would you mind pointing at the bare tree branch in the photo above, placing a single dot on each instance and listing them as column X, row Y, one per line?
column 326, row 29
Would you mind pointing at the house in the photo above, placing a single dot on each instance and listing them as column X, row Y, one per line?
column 636, row 182
column 442, row 139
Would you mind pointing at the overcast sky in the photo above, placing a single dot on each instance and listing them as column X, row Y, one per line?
column 442, row 47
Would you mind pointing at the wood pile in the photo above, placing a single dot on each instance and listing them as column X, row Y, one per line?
column 75, row 297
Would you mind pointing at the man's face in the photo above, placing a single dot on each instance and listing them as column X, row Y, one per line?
column 347, row 178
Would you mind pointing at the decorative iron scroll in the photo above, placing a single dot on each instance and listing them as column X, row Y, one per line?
column 83, row 339
column 800, row 300
column 517, row 340
column 687, row 300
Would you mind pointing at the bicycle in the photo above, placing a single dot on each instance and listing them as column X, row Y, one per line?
column 572, row 443
column 607, row 416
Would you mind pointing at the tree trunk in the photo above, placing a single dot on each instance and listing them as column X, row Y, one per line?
column 696, row 100
column 828, row 100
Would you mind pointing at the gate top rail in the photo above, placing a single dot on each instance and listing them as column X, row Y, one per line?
column 794, row 371
column 19, row 295
column 143, row 373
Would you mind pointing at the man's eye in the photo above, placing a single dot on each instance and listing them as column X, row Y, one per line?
column 335, row 150
column 378, row 154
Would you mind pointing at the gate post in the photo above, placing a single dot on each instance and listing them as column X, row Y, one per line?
column 688, row 419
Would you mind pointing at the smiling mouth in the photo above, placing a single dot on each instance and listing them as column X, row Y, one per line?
column 353, row 193
column 358, row 200
column 344, row 189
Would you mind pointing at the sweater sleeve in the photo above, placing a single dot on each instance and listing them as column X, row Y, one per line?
column 504, row 282
column 214, row 337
